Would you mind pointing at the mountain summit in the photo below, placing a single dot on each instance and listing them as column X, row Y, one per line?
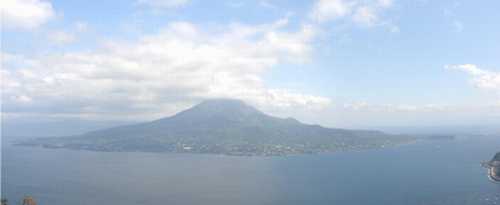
column 223, row 126
column 219, row 109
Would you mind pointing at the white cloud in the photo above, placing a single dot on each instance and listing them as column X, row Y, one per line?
column 366, row 114
column 61, row 37
column 389, row 108
column 452, row 17
column 385, row 3
column 394, row 29
column 267, row 4
column 325, row 10
column 365, row 16
column 70, row 35
column 481, row 78
column 25, row 14
column 365, row 13
column 163, row 4
column 356, row 105
column 161, row 73
column 81, row 27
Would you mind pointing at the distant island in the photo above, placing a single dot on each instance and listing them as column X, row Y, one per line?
column 224, row 126
column 441, row 137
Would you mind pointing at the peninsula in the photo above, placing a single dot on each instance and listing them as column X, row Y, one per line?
column 493, row 167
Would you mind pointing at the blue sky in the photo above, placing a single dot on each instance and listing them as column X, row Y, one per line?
column 344, row 63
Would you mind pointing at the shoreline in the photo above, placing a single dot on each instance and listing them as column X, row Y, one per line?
column 492, row 176
column 358, row 149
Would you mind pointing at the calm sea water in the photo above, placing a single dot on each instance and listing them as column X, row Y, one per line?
column 426, row 173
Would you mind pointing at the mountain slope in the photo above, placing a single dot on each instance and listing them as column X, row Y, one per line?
column 223, row 126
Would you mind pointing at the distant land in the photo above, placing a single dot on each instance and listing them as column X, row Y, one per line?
column 441, row 137
column 223, row 126
column 493, row 167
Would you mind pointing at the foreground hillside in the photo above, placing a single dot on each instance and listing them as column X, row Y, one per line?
column 223, row 126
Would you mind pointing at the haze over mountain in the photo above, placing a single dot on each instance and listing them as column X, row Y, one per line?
column 223, row 126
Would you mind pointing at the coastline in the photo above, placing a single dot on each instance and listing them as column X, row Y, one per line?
column 312, row 152
column 492, row 176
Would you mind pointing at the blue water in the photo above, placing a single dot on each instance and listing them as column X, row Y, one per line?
column 426, row 173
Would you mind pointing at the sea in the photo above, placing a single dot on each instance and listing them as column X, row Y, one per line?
column 445, row 172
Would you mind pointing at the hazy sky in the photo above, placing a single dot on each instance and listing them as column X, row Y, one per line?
column 344, row 63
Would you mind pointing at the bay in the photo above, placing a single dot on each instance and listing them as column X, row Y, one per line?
column 428, row 172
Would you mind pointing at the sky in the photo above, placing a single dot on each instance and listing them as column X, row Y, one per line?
column 339, row 63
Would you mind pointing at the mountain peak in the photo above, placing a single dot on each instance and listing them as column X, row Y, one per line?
column 227, row 108
column 221, row 126
column 223, row 102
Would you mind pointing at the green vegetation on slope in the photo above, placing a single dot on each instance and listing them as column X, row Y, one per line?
column 224, row 127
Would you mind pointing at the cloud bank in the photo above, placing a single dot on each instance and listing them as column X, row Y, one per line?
column 163, row 4
column 161, row 73
column 481, row 78
column 365, row 13
column 25, row 14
